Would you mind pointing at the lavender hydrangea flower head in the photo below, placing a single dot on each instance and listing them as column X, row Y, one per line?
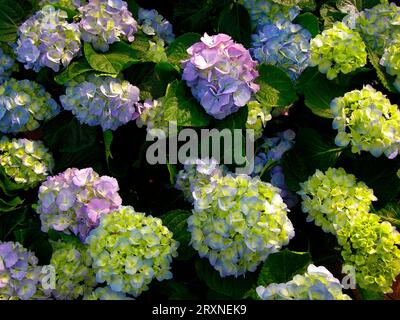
column 74, row 201
column 20, row 276
column 7, row 66
column 102, row 101
column 23, row 104
column 220, row 73
column 47, row 40
column 268, row 12
column 105, row 22
column 285, row 45
column 154, row 24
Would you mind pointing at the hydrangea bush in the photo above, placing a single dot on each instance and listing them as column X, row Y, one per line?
column 110, row 105
column 130, row 249
column 23, row 105
column 74, row 201
column 47, row 40
column 24, row 161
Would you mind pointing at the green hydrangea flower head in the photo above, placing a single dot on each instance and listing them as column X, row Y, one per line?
column 25, row 161
column 338, row 50
column 331, row 198
column 372, row 248
column 237, row 222
column 316, row 284
column 130, row 249
column 368, row 121
column 74, row 274
column 105, row 293
column 391, row 61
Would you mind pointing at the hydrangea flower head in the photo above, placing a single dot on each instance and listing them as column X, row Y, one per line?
column 26, row 162
column 74, row 275
column 285, row 45
column 23, row 104
column 75, row 200
column 372, row 248
column 268, row 12
column 237, row 222
column 129, row 249
column 20, row 276
column 378, row 25
column 154, row 24
column 104, row 101
column 220, row 73
column 47, row 40
column 7, row 66
column 197, row 173
column 334, row 197
column 316, row 284
column 105, row 22
column 338, row 50
column 368, row 121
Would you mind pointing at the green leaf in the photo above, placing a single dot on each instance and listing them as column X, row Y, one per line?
column 309, row 22
column 371, row 295
column 312, row 151
column 281, row 267
column 7, row 185
column 276, row 88
column 65, row 134
column 390, row 213
column 172, row 172
column 384, row 78
column 236, row 120
column 119, row 57
column 176, row 222
column 330, row 15
column 108, row 139
column 11, row 16
column 10, row 205
column 235, row 21
column 134, row 8
column 180, row 106
column 318, row 92
column 74, row 69
column 166, row 72
column 176, row 51
column 232, row 287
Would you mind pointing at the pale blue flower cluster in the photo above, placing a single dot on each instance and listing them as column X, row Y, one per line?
column 237, row 222
column 104, row 22
column 316, row 284
column 268, row 12
column 7, row 64
column 154, row 24
column 20, row 276
column 104, row 101
column 47, row 40
column 23, row 104
column 285, row 45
